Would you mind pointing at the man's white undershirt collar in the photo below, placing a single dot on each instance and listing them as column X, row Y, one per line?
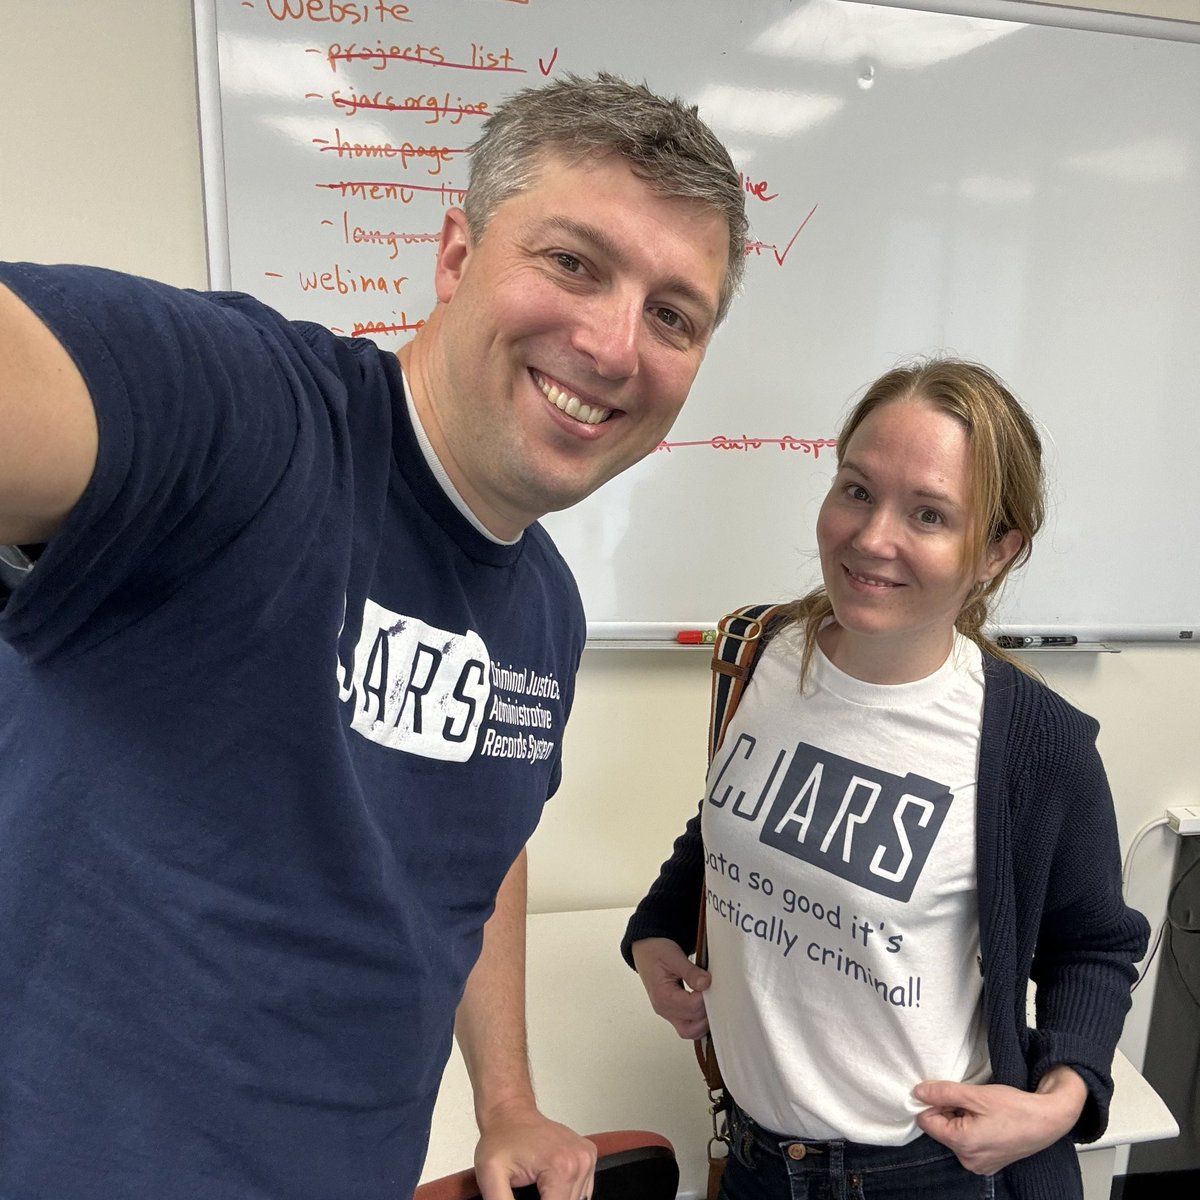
column 439, row 472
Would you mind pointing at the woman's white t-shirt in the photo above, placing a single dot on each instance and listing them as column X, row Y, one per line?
column 843, row 927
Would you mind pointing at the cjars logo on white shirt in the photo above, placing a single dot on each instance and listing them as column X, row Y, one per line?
column 415, row 687
column 856, row 821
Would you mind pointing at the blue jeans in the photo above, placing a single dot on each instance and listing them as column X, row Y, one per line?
column 772, row 1166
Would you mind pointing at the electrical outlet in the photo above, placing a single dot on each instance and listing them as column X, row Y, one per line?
column 1184, row 818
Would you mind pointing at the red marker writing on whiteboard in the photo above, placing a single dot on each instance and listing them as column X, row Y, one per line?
column 696, row 637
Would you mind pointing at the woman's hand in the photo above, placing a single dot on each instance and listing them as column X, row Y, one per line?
column 674, row 984
column 991, row 1125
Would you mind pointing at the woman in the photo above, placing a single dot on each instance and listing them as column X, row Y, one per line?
column 901, row 828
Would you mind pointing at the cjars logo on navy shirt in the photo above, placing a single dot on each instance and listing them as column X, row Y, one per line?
column 427, row 691
column 415, row 687
column 858, row 822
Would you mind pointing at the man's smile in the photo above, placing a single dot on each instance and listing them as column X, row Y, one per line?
column 587, row 414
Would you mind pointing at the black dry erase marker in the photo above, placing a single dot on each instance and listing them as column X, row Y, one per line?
column 1025, row 643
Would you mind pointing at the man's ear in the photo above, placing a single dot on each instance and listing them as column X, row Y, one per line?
column 999, row 553
column 454, row 250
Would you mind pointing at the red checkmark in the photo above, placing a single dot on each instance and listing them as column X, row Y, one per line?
column 780, row 257
column 547, row 67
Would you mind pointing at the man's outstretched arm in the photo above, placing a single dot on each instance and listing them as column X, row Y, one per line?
column 48, row 435
column 517, row 1144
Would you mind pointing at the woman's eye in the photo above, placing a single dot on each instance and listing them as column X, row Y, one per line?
column 856, row 491
column 929, row 516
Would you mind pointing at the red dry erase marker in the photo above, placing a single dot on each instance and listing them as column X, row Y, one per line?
column 695, row 637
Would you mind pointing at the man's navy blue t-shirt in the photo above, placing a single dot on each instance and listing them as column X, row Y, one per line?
column 275, row 720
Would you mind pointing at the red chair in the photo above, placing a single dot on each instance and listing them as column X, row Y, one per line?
column 632, row 1165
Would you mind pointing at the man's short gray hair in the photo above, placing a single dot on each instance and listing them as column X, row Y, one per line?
column 664, row 141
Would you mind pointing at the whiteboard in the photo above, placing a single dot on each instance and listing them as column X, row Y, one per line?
column 1023, row 194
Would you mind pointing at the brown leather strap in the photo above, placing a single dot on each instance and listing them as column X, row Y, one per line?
column 716, row 1169
column 737, row 670
column 741, row 636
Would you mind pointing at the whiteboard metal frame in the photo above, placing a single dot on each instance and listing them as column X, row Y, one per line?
column 212, row 154
column 1056, row 16
column 629, row 635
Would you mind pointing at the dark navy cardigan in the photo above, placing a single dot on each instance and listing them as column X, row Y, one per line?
column 1050, row 908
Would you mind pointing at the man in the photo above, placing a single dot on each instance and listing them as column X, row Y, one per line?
column 284, row 667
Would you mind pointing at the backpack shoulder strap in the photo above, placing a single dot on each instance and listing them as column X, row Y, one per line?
column 741, row 636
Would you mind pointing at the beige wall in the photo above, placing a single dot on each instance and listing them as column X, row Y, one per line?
column 99, row 157
column 99, row 162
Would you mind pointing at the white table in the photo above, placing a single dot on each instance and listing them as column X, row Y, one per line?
column 602, row 1060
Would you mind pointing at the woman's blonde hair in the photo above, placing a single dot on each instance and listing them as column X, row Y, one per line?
column 1005, row 489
